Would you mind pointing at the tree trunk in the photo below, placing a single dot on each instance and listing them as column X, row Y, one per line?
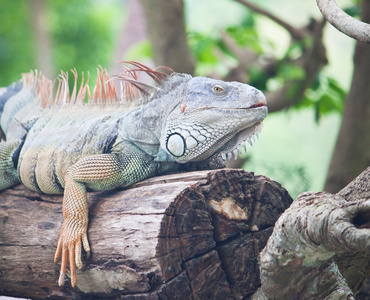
column 40, row 28
column 352, row 150
column 132, row 31
column 192, row 235
column 166, row 27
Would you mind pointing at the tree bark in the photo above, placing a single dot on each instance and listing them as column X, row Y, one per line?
column 355, row 266
column 317, row 234
column 352, row 150
column 192, row 235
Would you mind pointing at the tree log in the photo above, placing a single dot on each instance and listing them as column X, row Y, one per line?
column 192, row 235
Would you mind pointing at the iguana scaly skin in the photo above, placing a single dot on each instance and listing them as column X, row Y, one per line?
column 59, row 145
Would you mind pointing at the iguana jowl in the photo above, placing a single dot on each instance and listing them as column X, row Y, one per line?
column 59, row 145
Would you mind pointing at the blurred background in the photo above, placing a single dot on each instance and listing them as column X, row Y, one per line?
column 316, row 136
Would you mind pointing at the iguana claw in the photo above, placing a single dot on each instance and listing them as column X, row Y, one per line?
column 69, row 248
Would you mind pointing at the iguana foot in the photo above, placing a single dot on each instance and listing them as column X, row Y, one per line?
column 72, row 236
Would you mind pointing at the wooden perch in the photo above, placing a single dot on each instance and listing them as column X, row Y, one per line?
column 192, row 235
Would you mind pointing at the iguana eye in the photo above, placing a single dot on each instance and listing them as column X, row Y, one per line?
column 218, row 89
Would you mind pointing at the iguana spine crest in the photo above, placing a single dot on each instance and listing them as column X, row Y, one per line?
column 132, row 90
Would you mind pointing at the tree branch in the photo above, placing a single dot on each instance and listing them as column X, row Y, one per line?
column 297, row 34
column 311, row 61
column 245, row 57
column 305, row 239
column 343, row 22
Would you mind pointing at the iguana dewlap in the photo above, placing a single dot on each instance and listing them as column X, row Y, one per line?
column 61, row 145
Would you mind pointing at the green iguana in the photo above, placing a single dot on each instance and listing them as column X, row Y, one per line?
column 61, row 145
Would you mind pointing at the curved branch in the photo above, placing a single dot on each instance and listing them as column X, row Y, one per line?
column 305, row 239
column 343, row 22
column 297, row 34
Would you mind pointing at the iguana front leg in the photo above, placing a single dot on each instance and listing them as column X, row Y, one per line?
column 8, row 168
column 98, row 172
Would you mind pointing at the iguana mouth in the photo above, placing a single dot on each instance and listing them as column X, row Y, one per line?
column 238, row 142
column 260, row 104
column 257, row 105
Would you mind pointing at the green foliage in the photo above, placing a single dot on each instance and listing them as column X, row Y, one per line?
column 294, row 178
column 207, row 50
column 17, row 48
column 290, row 71
column 246, row 35
column 82, row 36
column 81, row 32
column 353, row 10
column 211, row 53
column 325, row 96
column 204, row 48
column 259, row 78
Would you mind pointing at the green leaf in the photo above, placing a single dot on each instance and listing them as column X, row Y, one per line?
column 291, row 72
column 203, row 47
column 336, row 88
column 353, row 11
column 325, row 96
column 246, row 37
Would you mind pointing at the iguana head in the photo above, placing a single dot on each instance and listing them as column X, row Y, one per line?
column 212, row 118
